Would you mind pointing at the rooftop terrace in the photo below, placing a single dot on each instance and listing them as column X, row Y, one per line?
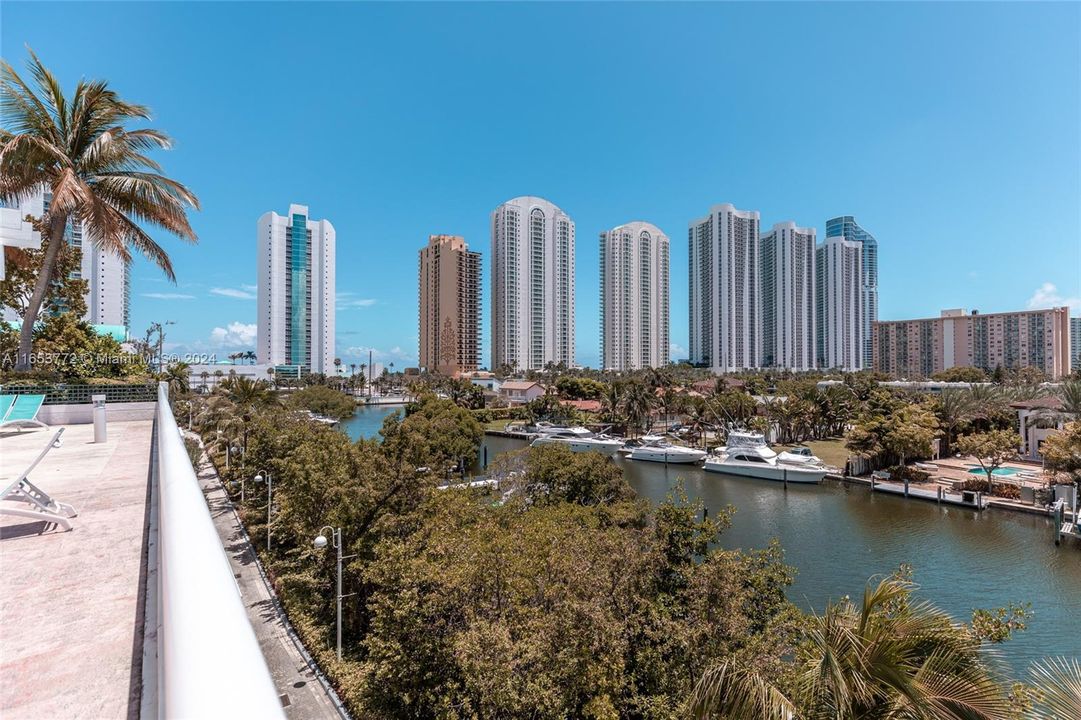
column 138, row 611
column 70, row 604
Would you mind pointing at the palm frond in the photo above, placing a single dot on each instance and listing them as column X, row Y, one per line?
column 732, row 693
column 1059, row 683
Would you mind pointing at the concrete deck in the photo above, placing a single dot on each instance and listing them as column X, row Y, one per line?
column 71, row 611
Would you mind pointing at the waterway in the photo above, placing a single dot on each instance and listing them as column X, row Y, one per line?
column 367, row 420
column 837, row 536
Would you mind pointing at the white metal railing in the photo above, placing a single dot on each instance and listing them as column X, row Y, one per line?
column 209, row 661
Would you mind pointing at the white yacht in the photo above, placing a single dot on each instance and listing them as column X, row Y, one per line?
column 631, row 444
column 748, row 454
column 657, row 449
column 800, row 457
column 578, row 439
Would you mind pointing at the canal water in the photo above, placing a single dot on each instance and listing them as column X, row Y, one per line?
column 837, row 536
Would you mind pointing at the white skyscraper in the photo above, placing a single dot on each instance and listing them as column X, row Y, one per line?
column 846, row 226
column 634, row 297
column 787, row 272
column 839, row 304
column 108, row 276
column 296, row 291
column 725, row 323
column 532, row 284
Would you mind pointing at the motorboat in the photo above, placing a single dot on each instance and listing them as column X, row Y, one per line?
column 747, row 454
column 801, row 457
column 660, row 450
column 578, row 439
column 631, row 444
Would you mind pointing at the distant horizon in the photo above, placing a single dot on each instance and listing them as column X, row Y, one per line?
column 964, row 161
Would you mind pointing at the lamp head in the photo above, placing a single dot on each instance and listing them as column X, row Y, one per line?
column 320, row 542
column 259, row 478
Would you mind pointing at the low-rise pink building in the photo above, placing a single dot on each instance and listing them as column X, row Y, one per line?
column 920, row 348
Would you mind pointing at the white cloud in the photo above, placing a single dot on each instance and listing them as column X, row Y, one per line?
column 236, row 334
column 250, row 288
column 676, row 351
column 346, row 300
column 233, row 293
column 168, row 296
column 1048, row 296
column 396, row 355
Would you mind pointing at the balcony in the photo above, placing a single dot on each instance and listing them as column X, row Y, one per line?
column 138, row 611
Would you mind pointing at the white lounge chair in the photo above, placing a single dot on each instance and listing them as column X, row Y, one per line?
column 23, row 411
column 41, row 505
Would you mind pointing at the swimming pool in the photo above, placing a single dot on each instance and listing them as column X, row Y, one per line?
column 996, row 471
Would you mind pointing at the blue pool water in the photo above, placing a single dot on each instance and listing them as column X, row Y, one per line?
column 996, row 471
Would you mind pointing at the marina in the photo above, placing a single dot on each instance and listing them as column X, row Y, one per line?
column 837, row 535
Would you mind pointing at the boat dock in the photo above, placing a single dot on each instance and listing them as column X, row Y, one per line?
column 939, row 494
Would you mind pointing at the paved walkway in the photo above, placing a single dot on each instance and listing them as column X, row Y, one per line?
column 305, row 697
column 71, row 615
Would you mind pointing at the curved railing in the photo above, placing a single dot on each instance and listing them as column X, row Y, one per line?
column 209, row 661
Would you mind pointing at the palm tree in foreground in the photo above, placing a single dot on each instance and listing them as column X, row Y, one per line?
column 889, row 658
column 1060, row 683
column 97, row 171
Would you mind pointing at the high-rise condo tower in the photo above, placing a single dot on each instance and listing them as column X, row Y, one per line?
column 634, row 297
column 532, row 284
column 725, row 322
column 787, row 268
column 845, row 226
column 839, row 305
column 296, row 291
column 449, row 306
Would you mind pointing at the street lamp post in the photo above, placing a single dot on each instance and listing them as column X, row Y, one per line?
column 320, row 543
column 269, row 500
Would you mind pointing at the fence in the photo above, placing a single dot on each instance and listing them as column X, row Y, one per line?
column 80, row 394
column 209, row 661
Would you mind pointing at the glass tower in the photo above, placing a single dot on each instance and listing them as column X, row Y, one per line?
column 846, row 226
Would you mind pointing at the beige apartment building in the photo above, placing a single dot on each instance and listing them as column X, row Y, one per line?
column 449, row 308
column 921, row 348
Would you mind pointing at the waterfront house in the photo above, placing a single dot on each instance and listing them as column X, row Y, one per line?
column 519, row 392
column 1033, row 431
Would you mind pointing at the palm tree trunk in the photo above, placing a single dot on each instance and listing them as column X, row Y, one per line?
column 45, row 276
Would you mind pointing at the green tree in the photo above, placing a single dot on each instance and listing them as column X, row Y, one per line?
column 435, row 433
column 990, row 449
column 1062, row 452
column 323, row 400
column 910, row 432
column 553, row 473
column 97, row 170
column 961, row 374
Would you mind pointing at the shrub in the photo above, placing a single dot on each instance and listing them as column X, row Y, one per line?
column 913, row 475
column 1002, row 490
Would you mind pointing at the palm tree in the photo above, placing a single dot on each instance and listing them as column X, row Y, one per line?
column 245, row 391
column 954, row 408
column 638, row 404
column 888, row 657
column 79, row 149
column 178, row 377
column 612, row 404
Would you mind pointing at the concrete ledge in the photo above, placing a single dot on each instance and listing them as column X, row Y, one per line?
column 83, row 413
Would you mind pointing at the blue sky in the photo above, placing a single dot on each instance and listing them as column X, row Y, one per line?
column 951, row 131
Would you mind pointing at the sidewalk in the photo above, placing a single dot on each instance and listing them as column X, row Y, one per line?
column 302, row 694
